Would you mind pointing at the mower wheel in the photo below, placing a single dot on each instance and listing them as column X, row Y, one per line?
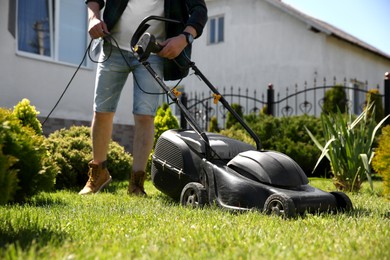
column 280, row 205
column 193, row 194
column 343, row 202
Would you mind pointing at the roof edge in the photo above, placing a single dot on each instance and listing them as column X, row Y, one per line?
column 326, row 28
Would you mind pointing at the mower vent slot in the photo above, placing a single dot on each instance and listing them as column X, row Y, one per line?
column 167, row 151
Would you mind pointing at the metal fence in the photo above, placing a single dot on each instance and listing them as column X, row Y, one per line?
column 286, row 102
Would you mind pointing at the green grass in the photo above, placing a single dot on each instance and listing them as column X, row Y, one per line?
column 112, row 225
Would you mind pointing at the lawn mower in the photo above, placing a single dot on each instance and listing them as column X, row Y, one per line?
column 197, row 168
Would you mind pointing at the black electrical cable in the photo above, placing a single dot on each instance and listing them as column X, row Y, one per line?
column 87, row 52
column 70, row 81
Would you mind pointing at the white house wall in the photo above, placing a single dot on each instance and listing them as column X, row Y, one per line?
column 264, row 44
column 42, row 82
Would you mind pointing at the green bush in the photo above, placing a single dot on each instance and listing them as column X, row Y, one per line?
column 373, row 96
column 381, row 161
column 72, row 150
column 238, row 134
column 286, row 135
column 24, row 153
column 335, row 98
column 231, row 120
column 27, row 114
column 348, row 147
column 8, row 177
column 163, row 121
column 213, row 127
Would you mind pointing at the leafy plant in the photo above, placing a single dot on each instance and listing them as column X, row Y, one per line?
column 373, row 96
column 26, row 156
column 238, row 134
column 288, row 135
column 348, row 147
column 163, row 121
column 27, row 114
column 72, row 150
column 213, row 127
column 335, row 99
column 8, row 177
column 381, row 161
column 231, row 120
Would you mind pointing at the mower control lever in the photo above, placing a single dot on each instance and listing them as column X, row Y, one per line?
column 145, row 46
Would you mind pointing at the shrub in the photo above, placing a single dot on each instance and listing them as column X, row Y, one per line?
column 72, row 150
column 348, row 147
column 381, row 161
column 231, row 120
column 8, row 177
column 266, row 127
column 26, row 156
column 264, row 110
column 27, row 114
column 286, row 135
column 163, row 121
column 213, row 127
column 373, row 96
column 335, row 98
column 238, row 134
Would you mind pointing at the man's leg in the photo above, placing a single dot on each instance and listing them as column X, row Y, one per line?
column 101, row 135
column 146, row 99
column 98, row 174
column 143, row 141
column 111, row 76
column 142, row 146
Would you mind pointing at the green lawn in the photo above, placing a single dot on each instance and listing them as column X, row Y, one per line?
column 112, row 225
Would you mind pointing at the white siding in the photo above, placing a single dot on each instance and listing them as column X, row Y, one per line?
column 42, row 82
column 263, row 44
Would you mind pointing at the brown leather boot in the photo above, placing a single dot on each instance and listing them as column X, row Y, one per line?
column 99, row 177
column 136, row 184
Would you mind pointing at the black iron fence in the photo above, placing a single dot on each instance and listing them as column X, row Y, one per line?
column 296, row 101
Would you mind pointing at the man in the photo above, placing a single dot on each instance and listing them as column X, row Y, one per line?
column 120, row 20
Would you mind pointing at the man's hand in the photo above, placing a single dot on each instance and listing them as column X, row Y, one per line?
column 97, row 28
column 172, row 47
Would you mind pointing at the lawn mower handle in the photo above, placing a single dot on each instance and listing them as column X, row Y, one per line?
column 143, row 26
column 226, row 104
column 144, row 43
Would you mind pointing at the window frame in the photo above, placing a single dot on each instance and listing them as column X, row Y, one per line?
column 216, row 35
column 54, row 20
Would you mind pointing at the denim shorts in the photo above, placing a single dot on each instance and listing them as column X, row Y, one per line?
column 112, row 73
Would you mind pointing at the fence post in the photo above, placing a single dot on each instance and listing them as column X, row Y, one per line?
column 270, row 99
column 183, row 121
column 387, row 96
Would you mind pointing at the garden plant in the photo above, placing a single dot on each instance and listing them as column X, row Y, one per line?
column 348, row 147
column 381, row 161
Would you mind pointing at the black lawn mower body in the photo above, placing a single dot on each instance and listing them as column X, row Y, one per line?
column 241, row 178
column 199, row 168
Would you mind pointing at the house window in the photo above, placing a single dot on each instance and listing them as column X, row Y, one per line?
column 52, row 29
column 216, row 29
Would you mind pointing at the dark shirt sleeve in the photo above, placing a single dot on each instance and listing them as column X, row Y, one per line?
column 197, row 11
column 100, row 2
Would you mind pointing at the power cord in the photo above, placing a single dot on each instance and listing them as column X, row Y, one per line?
column 70, row 81
column 108, row 37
